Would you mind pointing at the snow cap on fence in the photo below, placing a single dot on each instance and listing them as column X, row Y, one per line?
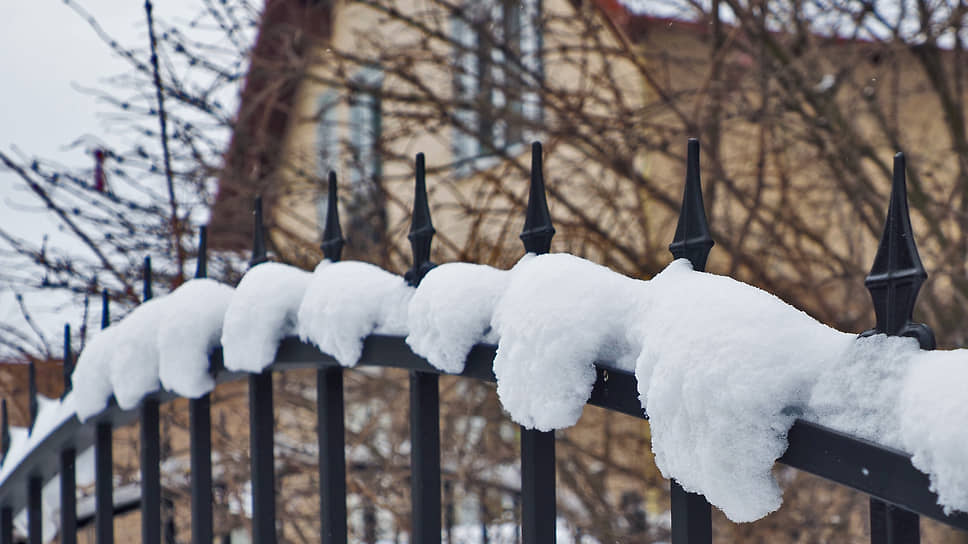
column 723, row 368
column 263, row 310
column 92, row 375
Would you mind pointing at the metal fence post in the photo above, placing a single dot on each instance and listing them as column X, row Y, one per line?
column 691, row 512
column 424, row 388
column 200, row 437
column 103, row 463
column 35, row 520
column 6, row 526
column 150, row 451
column 894, row 281
column 68, row 497
column 261, row 430
column 68, row 482
column 538, row 509
column 32, row 395
column 331, row 432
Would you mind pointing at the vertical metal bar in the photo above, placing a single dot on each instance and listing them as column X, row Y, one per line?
column 425, row 456
column 103, row 484
column 200, row 436
column 485, row 514
column 538, row 511
column 369, row 522
column 691, row 513
column 68, row 497
column 332, row 457
column 691, row 517
column 32, row 395
column 449, row 512
column 893, row 525
column 329, row 408
column 424, row 392
column 261, row 443
column 35, row 525
column 4, row 432
column 897, row 269
column 68, row 361
column 150, row 472
column 6, row 526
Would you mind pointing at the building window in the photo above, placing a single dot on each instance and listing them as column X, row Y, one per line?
column 328, row 147
column 498, row 69
column 358, row 163
column 365, row 129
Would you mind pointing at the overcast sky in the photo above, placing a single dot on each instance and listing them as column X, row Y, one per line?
column 47, row 53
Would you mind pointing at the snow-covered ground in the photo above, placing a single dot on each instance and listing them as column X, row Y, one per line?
column 723, row 368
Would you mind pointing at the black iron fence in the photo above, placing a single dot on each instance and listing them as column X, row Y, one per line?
column 899, row 492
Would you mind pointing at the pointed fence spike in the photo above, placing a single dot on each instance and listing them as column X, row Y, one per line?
column 31, row 395
column 421, row 228
column 333, row 241
column 538, row 230
column 105, row 309
column 68, row 361
column 692, row 240
column 258, row 236
column 897, row 273
column 146, row 277
column 4, row 431
column 201, row 266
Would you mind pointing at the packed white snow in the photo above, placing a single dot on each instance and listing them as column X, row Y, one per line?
column 859, row 394
column 51, row 413
column 451, row 311
column 190, row 329
column 346, row 302
column 557, row 317
column 721, row 362
column 262, row 312
column 92, row 375
column 134, row 355
column 933, row 406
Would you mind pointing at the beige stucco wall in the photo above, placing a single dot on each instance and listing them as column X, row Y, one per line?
column 460, row 204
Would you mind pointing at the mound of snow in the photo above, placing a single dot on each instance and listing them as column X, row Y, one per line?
column 91, row 378
column 451, row 311
column 346, row 302
column 190, row 329
column 721, row 363
column 262, row 312
column 134, row 357
column 558, row 315
column 933, row 404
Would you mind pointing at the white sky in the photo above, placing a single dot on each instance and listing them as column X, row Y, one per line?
column 47, row 51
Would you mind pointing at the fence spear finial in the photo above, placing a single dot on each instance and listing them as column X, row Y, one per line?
column 32, row 395
column 421, row 228
column 897, row 273
column 68, row 361
column 105, row 309
column 332, row 244
column 692, row 240
column 258, row 236
column 538, row 230
column 4, row 431
column 201, row 266
column 146, row 277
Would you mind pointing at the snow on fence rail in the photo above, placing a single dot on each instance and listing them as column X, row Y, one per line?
column 555, row 332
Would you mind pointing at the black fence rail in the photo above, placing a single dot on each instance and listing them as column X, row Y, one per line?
column 899, row 492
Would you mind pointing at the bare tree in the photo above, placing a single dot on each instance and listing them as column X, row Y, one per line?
column 799, row 106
